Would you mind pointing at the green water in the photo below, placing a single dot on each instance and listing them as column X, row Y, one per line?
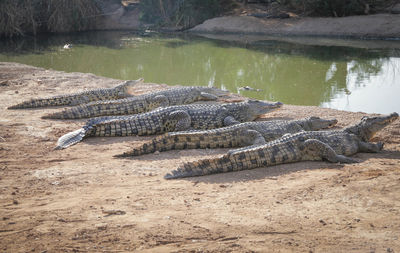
column 347, row 78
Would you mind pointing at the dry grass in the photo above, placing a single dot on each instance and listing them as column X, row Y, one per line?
column 182, row 13
column 16, row 18
column 71, row 15
column 337, row 7
column 19, row 17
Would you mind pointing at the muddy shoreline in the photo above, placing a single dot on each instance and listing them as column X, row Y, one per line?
column 383, row 26
column 83, row 199
column 378, row 26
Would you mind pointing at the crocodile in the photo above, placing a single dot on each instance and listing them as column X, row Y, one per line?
column 243, row 134
column 120, row 91
column 171, row 118
column 332, row 146
column 139, row 104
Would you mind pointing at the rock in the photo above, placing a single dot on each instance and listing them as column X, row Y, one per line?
column 101, row 226
column 4, row 83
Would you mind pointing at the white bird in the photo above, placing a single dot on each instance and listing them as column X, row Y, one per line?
column 67, row 46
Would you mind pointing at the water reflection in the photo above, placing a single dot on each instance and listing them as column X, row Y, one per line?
column 370, row 92
column 330, row 76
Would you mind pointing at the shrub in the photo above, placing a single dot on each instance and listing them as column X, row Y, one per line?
column 70, row 15
column 184, row 13
column 19, row 17
column 16, row 18
column 336, row 8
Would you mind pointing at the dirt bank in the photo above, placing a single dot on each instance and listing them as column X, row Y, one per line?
column 82, row 199
column 369, row 26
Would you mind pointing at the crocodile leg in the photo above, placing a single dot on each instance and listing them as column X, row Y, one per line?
column 161, row 100
column 316, row 148
column 252, row 138
column 370, row 147
column 182, row 118
column 229, row 121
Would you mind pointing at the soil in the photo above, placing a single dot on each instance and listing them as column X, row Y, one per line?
column 83, row 200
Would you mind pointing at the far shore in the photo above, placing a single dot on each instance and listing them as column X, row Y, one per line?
column 378, row 26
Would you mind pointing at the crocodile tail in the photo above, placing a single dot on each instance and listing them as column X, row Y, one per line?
column 71, row 138
column 160, row 143
column 57, row 115
column 35, row 103
column 104, row 119
column 187, row 140
column 174, row 141
column 76, row 112
column 76, row 136
column 226, row 163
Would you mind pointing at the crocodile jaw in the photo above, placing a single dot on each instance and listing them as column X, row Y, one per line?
column 130, row 84
column 316, row 123
column 369, row 126
column 258, row 108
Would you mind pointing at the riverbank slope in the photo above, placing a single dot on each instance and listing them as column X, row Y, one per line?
column 83, row 199
column 382, row 26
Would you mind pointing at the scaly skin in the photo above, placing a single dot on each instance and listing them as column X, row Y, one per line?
column 139, row 104
column 239, row 135
column 120, row 91
column 172, row 118
column 333, row 146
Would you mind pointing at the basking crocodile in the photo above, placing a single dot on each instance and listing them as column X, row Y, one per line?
column 171, row 118
column 238, row 135
column 139, row 104
column 333, row 146
column 120, row 91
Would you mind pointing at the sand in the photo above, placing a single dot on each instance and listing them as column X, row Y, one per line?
column 83, row 200
column 383, row 26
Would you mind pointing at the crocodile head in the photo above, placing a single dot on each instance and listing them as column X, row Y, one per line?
column 316, row 123
column 210, row 93
column 369, row 126
column 252, row 109
column 125, row 88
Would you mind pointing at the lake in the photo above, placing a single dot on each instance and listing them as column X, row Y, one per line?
column 344, row 74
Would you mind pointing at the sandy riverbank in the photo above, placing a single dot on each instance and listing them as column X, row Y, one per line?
column 382, row 26
column 82, row 199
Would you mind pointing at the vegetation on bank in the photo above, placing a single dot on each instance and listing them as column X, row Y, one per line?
column 183, row 13
column 188, row 13
column 336, row 8
column 20, row 17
